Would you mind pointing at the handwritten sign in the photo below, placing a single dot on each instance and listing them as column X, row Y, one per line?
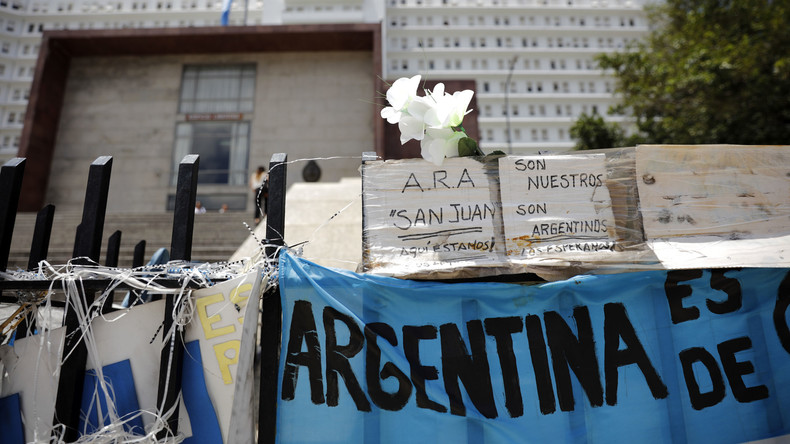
column 421, row 218
column 682, row 355
column 556, row 207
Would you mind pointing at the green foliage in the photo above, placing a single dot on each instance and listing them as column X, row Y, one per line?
column 593, row 132
column 712, row 71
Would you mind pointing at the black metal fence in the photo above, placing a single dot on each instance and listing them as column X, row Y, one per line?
column 87, row 244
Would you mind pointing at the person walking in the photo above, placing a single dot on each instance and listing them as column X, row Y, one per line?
column 259, row 185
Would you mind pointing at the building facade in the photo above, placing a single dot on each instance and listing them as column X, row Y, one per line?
column 233, row 95
column 532, row 60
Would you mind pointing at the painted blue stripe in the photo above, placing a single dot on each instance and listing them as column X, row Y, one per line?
column 202, row 417
column 119, row 378
column 11, row 420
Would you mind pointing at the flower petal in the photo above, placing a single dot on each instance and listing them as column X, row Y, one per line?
column 391, row 114
column 402, row 92
column 419, row 106
column 410, row 128
column 460, row 101
column 432, row 150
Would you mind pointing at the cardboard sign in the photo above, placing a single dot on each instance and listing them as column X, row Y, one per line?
column 422, row 218
column 556, row 208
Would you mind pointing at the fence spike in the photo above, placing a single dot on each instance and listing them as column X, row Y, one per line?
column 11, row 174
column 87, row 242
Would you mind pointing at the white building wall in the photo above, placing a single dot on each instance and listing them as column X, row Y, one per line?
column 547, row 47
column 553, row 42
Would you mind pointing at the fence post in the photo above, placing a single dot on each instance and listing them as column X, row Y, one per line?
column 372, row 421
column 113, row 251
column 39, row 247
column 38, row 252
column 184, row 211
column 271, row 322
column 180, row 249
column 87, row 243
column 11, row 184
column 367, row 156
column 138, row 260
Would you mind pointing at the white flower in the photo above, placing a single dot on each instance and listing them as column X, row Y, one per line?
column 449, row 110
column 412, row 120
column 399, row 96
column 431, row 119
column 439, row 143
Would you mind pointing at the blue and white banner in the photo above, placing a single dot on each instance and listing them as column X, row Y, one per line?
column 678, row 356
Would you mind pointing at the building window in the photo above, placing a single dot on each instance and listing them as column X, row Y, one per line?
column 223, row 145
column 217, row 89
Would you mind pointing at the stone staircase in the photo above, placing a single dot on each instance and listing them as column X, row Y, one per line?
column 216, row 236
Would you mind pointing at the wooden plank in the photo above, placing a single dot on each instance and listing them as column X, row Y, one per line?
column 732, row 192
column 715, row 206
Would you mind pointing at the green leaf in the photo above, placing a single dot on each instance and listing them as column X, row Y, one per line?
column 468, row 147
